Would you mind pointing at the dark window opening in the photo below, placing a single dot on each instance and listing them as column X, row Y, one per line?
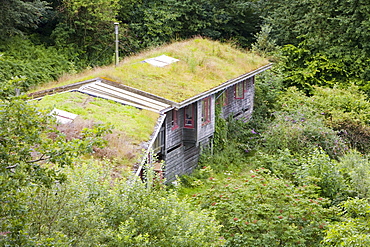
column 239, row 90
column 206, row 110
column 158, row 144
column 189, row 116
column 174, row 120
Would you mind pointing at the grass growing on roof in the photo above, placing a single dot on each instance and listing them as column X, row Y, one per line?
column 137, row 124
column 203, row 65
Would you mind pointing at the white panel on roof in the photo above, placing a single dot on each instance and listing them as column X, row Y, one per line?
column 63, row 117
column 161, row 61
column 122, row 96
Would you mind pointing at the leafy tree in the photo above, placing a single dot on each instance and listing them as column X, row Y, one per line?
column 328, row 41
column 18, row 15
column 86, row 30
column 156, row 22
column 30, row 153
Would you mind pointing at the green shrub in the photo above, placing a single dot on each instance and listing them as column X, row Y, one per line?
column 300, row 132
column 353, row 229
column 259, row 209
column 268, row 88
column 355, row 169
column 92, row 209
column 344, row 110
column 35, row 63
column 71, row 213
column 318, row 168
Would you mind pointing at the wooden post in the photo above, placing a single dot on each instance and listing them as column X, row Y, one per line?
column 117, row 41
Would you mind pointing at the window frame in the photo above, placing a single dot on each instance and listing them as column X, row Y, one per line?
column 239, row 90
column 225, row 97
column 174, row 120
column 186, row 125
column 206, row 110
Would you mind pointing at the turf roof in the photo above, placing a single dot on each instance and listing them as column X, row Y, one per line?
column 131, row 127
column 203, row 65
column 135, row 123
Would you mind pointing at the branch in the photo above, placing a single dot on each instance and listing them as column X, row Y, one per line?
column 39, row 159
column 11, row 167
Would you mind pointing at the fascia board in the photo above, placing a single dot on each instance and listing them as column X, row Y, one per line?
column 160, row 122
column 222, row 86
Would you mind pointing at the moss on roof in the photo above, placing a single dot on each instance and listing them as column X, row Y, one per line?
column 131, row 125
column 204, row 64
column 136, row 124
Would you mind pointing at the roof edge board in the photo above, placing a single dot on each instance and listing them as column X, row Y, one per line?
column 60, row 89
column 160, row 122
column 222, row 86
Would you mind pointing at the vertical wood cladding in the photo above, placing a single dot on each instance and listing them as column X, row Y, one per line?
column 173, row 125
column 174, row 164
column 185, row 139
column 206, row 128
column 237, row 107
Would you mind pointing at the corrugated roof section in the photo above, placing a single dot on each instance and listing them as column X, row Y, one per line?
column 103, row 90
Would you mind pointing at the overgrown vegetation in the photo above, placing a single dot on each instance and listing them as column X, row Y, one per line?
column 31, row 155
column 91, row 209
column 296, row 175
column 53, row 194
column 203, row 65
column 283, row 177
column 131, row 127
column 33, row 64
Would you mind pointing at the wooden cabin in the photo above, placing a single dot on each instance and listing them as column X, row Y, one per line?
column 182, row 82
column 189, row 127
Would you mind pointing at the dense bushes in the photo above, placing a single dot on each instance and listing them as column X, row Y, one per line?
column 308, row 156
column 259, row 209
column 344, row 110
column 34, row 64
column 353, row 229
column 91, row 209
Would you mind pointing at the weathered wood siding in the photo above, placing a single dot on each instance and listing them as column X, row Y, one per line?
column 191, row 157
column 174, row 163
column 173, row 129
column 183, row 145
column 181, row 151
column 206, row 129
column 231, row 106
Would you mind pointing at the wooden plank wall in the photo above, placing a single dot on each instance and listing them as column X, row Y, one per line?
column 182, row 156
column 205, row 130
column 239, row 107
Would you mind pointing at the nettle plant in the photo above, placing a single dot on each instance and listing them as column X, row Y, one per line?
column 259, row 209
